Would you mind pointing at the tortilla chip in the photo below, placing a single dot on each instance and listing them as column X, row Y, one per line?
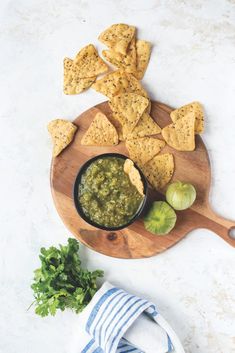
column 118, row 82
column 72, row 83
column 68, row 63
column 180, row 135
column 132, row 51
column 62, row 133
column 159, row 170
column 135, row 86
column 120, row 133
column 87, row 63
column 118, row 37
column 127, row 109
column 116, row 124
column 143, row 149
column 146, row 126
column 100, row 133
column 148, row 109
column 134, row 176
column 143, row 51
column 194, row 107
column 126, row 62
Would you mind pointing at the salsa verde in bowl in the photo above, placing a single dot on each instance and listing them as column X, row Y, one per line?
column 103, row 194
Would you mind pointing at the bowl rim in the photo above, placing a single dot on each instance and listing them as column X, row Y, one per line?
column 78, row 180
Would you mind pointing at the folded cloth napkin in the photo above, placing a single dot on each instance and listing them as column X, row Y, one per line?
column 114, row 318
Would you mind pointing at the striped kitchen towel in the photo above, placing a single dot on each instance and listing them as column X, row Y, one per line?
column 118, row 322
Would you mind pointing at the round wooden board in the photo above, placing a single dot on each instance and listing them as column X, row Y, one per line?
column 135, row 241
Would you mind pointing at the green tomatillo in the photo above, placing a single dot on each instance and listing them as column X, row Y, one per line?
column 180, row 195
column 160, row 219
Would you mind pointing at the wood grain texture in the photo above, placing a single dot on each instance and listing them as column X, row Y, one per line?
column 135, row 241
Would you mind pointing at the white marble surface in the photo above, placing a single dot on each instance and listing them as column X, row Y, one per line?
column 193, row 58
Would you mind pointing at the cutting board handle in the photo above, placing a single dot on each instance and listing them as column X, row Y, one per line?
column 221, row 226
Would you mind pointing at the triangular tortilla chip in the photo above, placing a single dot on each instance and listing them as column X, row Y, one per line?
column 146, row 126
column 134, row 176
column 118, row 37
column 159, row 170
column 143, row 149
column 118, row 82
column 100, row 133
column 194, row 107
column 62, row 133
column 127, row 109
column 126, row 62
column 180, row 135
column 72, row 83
column 88, row 63
column 143, row 51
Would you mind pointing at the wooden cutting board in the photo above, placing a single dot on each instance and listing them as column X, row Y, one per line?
column 135, row 241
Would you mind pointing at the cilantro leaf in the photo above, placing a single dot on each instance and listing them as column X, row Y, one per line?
column 61, row 282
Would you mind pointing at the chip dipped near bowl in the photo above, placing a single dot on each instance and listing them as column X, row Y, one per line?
column 110, row 191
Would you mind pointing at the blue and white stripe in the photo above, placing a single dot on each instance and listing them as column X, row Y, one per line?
column 111, row 316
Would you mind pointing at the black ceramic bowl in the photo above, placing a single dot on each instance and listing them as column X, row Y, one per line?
column 78, row 206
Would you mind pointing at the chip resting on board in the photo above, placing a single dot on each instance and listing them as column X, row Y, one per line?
column 159, row 170
column 100, row 133
column 196, row 109
column 62, row 133
column 180, row 135
column 143, row 149
column 118, row 37
column 127, row 108
column 146, row 126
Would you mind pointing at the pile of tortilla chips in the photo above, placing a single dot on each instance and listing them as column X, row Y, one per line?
column 130, row 56
column 187, row 121
column 127, row 55
column 125, row 52
column 131, row 121
column 80, row 73
column 158, row 169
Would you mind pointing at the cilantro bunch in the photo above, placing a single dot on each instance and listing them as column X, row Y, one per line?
column 61, row 282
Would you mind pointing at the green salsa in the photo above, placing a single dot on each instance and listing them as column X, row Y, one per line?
column 106, row 194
